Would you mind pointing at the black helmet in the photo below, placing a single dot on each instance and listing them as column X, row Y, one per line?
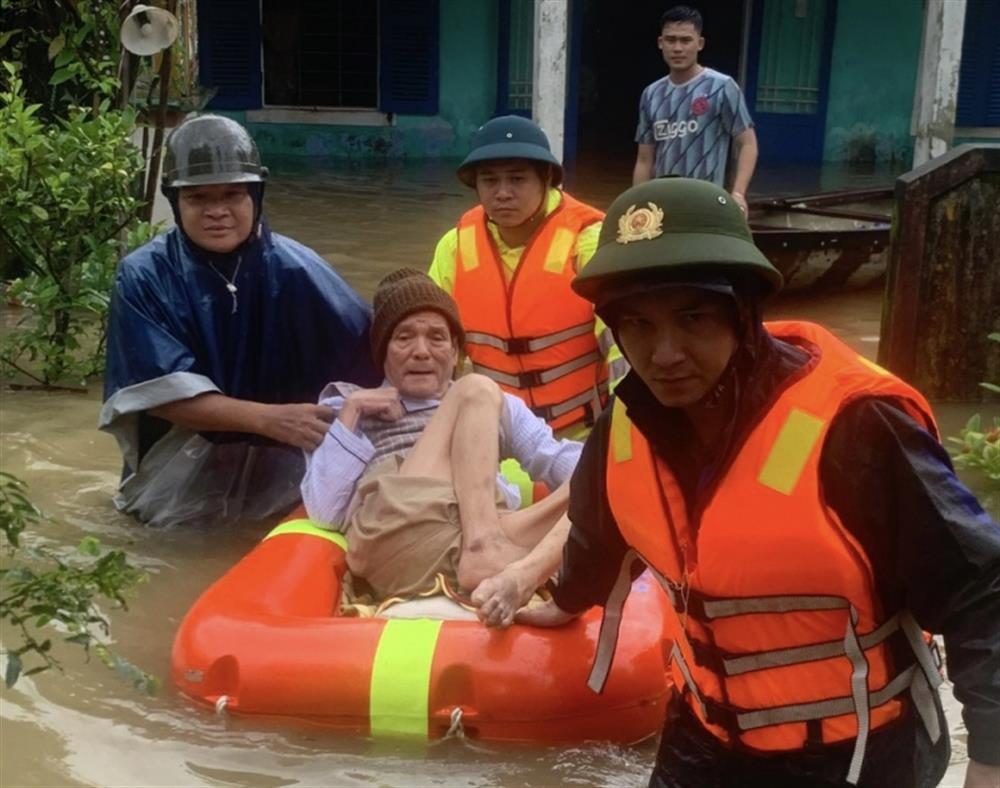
column 509, row 137
column 210, row 149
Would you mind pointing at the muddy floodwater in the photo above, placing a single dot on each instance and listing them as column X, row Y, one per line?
column 85, row 726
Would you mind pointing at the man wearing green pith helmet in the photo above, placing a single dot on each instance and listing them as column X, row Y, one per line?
column 793, row 500
column 509, row 264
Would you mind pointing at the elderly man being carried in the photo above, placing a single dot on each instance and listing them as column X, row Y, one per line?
column 409, row 470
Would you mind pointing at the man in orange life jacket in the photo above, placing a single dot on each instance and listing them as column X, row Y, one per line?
column 794, row 502
column 509, row 264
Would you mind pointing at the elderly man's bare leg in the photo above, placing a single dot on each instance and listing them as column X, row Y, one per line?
column 527, row 527
column 461, row 444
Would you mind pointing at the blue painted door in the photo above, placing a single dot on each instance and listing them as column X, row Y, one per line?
column 788, row 77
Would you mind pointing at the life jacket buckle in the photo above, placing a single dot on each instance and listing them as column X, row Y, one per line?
column 519, row 345
column 531, row 379
column 721, row 715
column 707, row 657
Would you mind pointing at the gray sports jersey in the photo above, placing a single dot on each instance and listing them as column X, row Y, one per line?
column 692, row 124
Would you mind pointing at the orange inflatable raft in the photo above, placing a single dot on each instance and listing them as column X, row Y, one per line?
column 265, row 639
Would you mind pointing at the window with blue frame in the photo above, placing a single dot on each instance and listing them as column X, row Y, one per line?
column 321, row 53
column 979, row 78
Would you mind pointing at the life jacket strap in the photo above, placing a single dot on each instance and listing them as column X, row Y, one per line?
column 521, row 345
column 920, row 679
column 591, row 399
column 726, row 663
column 607, row 639
column 537, row 377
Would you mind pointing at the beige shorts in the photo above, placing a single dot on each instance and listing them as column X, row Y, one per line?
column 404, row 531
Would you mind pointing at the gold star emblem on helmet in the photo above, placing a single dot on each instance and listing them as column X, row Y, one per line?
column 640, row 224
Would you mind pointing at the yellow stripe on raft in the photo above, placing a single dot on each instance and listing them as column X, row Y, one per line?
column 304, row 526
column 401, row 677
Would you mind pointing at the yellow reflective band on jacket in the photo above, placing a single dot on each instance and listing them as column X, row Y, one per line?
column 304, row 526
column 873, row 366
column 621, row 433
column 467, row 247
column 559, row 250
column 401, row 677
column 791, row 449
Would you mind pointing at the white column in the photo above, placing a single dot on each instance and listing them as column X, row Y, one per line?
column 933, row 122
column 548, row 96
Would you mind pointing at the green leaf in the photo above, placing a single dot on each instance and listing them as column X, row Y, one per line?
column 991, row 387
column 89, row 545
column 6, row 36
column 13, row 669
column 56, row 45
column 40, row 213
column 63, row 58
column 61, row 76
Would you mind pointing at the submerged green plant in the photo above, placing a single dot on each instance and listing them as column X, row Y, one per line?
column 44, row 590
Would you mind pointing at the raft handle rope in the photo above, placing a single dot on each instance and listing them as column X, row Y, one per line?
column 220, row 705
column 455, row 730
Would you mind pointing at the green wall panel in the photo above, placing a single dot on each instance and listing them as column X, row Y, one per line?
column 873, row 75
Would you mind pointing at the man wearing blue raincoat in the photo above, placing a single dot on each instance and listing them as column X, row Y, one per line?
column 220, row 337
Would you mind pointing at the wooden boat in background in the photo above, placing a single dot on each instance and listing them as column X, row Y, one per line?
column 825, row 241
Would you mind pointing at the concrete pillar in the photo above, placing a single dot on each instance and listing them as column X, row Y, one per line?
column 548, row 97
column 933, row 124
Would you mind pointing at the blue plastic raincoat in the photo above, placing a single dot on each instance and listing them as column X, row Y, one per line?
column 176, row 330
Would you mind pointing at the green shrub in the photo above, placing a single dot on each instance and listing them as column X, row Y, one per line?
column 68, row 213
column 980, row 445
column 42, row 589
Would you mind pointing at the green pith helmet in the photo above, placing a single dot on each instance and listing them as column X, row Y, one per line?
column 508, row 137
column 667, row 227
column 210, row 149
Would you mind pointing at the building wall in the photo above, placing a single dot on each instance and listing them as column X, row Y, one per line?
column 873, row 76
column 467, row 98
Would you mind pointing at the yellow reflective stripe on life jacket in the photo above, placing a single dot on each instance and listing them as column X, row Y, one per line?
column 559, row 250
column 304, row 526
column 873, row 366
column 791, row 450
column 467, row 247
column 621, row 433
column 401, row 677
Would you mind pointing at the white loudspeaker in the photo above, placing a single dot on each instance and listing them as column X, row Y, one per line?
column 148, row 30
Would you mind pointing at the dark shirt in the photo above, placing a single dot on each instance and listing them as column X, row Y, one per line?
column 932, row 548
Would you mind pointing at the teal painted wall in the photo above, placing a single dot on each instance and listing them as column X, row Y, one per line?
column 467, row 98
column 873, row 76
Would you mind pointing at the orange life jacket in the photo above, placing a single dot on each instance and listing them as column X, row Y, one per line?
column 534, row 336
column 779, row 639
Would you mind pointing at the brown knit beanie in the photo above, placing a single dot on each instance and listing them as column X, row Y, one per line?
column 401, row 293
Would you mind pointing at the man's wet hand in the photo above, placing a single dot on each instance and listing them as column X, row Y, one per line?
column 301, row 425
column 548, row 614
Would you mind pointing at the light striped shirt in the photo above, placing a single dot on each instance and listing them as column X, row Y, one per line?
column 334, row 469
column 692, row 124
